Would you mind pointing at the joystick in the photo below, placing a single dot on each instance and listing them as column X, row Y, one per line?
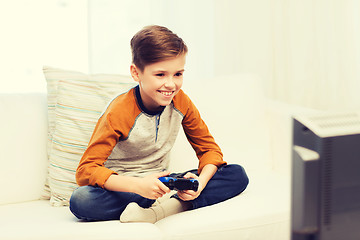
column 180, row 184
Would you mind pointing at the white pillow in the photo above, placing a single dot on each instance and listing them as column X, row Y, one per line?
column 75, row 102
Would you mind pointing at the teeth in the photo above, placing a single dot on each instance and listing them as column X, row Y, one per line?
column 167, row 93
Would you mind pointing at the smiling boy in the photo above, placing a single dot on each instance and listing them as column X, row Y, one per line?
column 159, row 82
column 130, row 147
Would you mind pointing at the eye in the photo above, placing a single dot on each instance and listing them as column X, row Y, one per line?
column 160, row 74
column 179, row 74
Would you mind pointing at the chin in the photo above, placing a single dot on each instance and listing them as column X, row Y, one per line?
column 164, row 104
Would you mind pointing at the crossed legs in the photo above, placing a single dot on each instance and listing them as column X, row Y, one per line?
column 97, row 204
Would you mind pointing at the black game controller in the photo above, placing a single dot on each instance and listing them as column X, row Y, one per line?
column 180, row 184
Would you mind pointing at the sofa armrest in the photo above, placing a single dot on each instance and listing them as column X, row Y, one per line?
column 23, row 154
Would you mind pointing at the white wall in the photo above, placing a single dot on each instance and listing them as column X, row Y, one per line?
column 243, row 37
column 113, row 23
column 306, row 52
column 316, row 53
column 40, row 32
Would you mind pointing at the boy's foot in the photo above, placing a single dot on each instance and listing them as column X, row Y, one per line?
column 134, row 213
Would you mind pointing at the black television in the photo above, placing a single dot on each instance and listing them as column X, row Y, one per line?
column 325, row 195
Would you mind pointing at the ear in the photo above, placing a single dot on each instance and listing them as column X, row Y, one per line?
column 134, row 71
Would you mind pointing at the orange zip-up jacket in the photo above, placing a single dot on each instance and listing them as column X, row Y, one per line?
column 130, row 140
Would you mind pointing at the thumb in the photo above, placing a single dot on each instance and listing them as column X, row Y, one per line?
column 162, row 174
column 190, row 175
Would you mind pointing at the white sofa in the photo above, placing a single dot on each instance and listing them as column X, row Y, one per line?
column 251, row 130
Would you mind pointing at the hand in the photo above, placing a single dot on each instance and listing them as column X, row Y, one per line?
column 151, row 187
column 188, row 195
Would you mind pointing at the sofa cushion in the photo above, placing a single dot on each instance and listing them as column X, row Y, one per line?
column 23, row 158
column 75, row 102
column 38, row 220
column 262, row 211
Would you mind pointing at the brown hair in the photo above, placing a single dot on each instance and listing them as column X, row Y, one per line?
column 154, row 44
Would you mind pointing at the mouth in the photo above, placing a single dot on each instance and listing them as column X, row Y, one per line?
column 166, row 93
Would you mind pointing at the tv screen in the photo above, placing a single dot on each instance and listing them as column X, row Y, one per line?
column 325, row 201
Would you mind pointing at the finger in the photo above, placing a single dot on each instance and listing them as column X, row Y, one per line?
column 159, row 187
column 153, row 196
column 190, row 175
column 156, row 196
column 162, row 187
column 165, row 189
column 162, row 174
column 187, row 175
column 184, row 196
column 159, row 194
column 181, row 198
column 184, row 199
column 189, row 192
column 156, row 189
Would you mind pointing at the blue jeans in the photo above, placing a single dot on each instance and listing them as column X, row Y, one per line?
column 97, row 204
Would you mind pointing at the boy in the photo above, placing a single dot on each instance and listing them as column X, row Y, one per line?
column 129, row 149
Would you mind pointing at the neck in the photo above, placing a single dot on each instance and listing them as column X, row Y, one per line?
column 142, row 106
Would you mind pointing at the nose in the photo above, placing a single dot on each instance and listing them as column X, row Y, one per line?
column 169, row 83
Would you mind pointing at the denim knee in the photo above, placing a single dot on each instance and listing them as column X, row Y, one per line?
column 80, row 200
column 95, row 203
column 237, row 175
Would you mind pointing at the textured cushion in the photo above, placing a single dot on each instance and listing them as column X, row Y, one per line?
column 75, row 101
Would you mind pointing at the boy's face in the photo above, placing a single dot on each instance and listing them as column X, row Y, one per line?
column 159, row 82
